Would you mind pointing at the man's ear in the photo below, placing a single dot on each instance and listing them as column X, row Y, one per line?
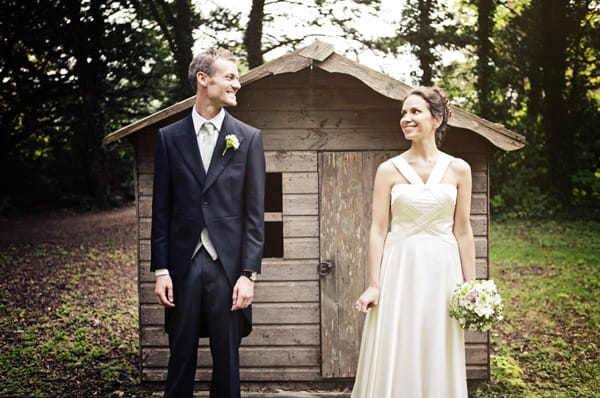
column 202, row 79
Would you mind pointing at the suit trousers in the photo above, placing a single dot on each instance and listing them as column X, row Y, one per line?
column 203, row 302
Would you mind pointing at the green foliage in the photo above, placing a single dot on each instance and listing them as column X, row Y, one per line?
column 506, row 371
column 96, row 69
column 548, row 275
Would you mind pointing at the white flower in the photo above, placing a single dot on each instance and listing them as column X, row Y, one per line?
column 231, row 141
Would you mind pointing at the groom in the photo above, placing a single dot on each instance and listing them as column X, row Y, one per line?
column 207, row 227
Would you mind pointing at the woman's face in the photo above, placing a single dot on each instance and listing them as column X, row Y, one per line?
column 416, row 120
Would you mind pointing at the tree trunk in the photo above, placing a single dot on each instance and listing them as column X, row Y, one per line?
column 88, row 26
column 485, row 14
column 559, row 141
column 425, row 40
column 253, row 34
column 182, row 31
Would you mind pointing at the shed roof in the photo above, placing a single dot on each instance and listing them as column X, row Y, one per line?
column 321, row 55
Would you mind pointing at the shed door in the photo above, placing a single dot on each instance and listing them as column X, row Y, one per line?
column 346, row 185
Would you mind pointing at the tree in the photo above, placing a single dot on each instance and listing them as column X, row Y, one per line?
column 427, row 28
column 543, row 85
column 93, row 71
column 176, row 21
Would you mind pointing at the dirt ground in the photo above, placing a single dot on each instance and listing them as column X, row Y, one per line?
column 68, row 307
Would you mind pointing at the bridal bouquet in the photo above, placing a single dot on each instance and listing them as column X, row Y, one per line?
column 476, row 305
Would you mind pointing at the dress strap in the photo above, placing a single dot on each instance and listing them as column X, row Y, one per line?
column 407, row 171
column 439, row 169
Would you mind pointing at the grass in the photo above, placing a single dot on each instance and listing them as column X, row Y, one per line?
column 67, row 331
column 549, row 275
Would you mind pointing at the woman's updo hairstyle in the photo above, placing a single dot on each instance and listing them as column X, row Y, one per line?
column 438, row 104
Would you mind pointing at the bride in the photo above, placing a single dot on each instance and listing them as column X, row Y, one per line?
column 410, row 347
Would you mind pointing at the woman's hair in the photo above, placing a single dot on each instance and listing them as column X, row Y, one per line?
column 438, row 104
column 204, row 61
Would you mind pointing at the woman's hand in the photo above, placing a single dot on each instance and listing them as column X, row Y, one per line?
column 368, row 300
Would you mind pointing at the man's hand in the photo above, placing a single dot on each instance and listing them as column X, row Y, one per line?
column 243, row 293
column 163, row 289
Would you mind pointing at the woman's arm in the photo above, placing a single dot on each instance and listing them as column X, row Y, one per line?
column 377, row 235
column 462, row 223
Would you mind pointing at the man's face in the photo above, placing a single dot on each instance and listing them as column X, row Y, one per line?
column 224, row 83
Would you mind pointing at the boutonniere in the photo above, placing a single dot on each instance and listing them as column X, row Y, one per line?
column 231, row 141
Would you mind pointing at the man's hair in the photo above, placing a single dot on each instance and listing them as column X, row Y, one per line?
column 204, row 61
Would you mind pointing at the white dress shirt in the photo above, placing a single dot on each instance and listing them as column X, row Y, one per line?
column 198, row 121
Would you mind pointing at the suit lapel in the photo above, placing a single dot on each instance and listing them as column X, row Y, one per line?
column 187, row 145
column 220, row 161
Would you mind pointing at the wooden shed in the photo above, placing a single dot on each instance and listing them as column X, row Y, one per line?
column 327, row 122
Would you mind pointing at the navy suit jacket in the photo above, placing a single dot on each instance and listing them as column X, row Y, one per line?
column 228, row 200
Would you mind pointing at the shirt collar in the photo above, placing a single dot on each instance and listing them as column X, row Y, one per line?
column 198, row 120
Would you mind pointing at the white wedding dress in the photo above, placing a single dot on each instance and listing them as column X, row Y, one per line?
column 410, row 347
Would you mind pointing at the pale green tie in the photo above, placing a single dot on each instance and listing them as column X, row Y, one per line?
column 208, row 143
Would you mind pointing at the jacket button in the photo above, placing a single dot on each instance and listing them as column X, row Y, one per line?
column 205, row 204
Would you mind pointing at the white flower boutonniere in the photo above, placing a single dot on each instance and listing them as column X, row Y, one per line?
column 231, row 141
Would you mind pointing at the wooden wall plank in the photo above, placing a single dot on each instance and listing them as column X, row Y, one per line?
column 383, row 137
column 329, row 119
column 300, row 183
column 300, row 226
column 271, row 217
column 475, row 372
column 479, row 203
column 288, row 291
column 144, row 227
column 286, row 161
column 476, row 354
column 481, row 248
column 145, row 182
column 272, row 313
column 479, row 224
column 472, row 336
column 272, row 270
column 249, row 356
column 295, row 248
column 262, row 335
column 265, row 292
column 300, row 374
column 284, row 99
column 288, row 270
column 300, row 205
column 144, row 206
column 482, row 271
column 480, row 181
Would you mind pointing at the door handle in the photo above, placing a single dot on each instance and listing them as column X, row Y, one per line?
column 325, row 267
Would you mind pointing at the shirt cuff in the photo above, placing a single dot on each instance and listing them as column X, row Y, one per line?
column 161, row 271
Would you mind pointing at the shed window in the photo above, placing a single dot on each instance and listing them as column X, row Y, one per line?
column 273, row 216
column 273, row 193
